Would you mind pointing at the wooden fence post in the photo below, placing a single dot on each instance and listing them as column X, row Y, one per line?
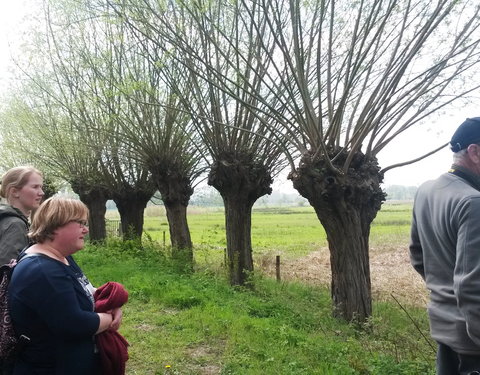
column 277, row 267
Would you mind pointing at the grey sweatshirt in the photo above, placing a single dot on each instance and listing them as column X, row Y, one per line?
column 13, row 233
column 445, row 250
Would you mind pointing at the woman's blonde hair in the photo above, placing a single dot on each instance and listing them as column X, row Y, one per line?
column 16, row 178
column 54, row 213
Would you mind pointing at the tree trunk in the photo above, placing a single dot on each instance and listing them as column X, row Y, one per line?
column 349, row 259
column 182, row 247
column 176, row 191
column 240, row 181
column 346, row 205
column 238, row 223
column 95, row 199
column 131, row 206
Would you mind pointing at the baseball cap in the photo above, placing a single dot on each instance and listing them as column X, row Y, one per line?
column 466, row 134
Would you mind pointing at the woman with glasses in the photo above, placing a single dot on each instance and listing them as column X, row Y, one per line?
column 21, row 187
column 51, row 301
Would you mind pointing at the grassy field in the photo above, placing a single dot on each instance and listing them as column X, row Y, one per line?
column 183, row 323
column 294, row 231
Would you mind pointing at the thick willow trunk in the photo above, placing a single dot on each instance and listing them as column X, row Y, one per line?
column 176, row 190
column 346, row 205
column 240, row 181
column 95, row 199
column 238, row 223
column 131, row 207
column 349, row 259
column 182, row 247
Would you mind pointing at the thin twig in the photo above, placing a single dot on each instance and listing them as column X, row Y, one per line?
column 413, row 160
column 414, row 323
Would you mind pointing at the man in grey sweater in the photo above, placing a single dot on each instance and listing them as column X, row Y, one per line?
column 445, row 251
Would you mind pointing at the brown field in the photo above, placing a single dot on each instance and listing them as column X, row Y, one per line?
column 391, row 273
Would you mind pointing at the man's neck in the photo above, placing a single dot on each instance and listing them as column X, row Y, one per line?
column 467, row 174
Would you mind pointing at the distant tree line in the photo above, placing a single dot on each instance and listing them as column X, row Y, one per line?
column 209, row 197
column 400, row 192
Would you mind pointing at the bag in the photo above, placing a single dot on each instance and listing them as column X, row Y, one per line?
column 8, row 338
column 10, row 344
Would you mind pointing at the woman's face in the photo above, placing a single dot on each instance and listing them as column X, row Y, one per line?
column 71, row 236
column 29, row 197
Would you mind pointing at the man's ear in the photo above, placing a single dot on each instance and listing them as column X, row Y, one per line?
column 473, row 151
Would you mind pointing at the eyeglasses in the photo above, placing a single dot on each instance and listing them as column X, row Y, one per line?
column 83, row 223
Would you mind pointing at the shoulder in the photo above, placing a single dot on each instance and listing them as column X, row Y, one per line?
column 38, row 267
column 6, row 210
column 9, row 214
column 13, row 222
column 448, row 186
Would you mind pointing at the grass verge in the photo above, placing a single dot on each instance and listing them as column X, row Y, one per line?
column 195, row 323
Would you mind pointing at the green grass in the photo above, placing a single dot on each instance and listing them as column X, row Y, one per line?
column 195, row 323
column 180, row 323
column 391, row 227
column 271, row 229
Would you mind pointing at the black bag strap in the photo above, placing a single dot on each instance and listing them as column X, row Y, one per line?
column 24, row 255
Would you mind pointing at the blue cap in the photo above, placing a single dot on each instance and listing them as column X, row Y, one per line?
column 467, row 133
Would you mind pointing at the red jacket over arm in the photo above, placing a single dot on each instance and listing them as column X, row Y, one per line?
column 111, row 345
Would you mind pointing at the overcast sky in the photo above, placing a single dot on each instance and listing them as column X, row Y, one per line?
column 11, row 18
column 406, row 147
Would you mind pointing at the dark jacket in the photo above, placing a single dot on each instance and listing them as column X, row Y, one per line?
column 13, row 233
column 445, row 250
column 50, row 304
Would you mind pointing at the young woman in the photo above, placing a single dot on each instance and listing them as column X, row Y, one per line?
column 21, row 187
column 51, row 301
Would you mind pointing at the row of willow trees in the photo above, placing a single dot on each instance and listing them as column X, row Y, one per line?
column 121, row 98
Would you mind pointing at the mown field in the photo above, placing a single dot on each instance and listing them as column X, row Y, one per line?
column 195, row 323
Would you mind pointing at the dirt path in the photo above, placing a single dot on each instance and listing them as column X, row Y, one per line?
column 390, row 268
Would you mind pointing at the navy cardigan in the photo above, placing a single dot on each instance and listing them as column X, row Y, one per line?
column 50, row 304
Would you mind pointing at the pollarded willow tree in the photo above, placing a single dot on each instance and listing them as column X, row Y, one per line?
column 352, row 77
column 364, row 73
column 150, row 119
column 49, row 116
column 150, row 145
column 243, row 148
column 161, row 137
column 85, row 59
column 100, row 65
column 37, row 129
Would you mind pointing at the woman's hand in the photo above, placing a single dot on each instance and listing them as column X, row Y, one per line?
column 106, row 320
column 117, row 315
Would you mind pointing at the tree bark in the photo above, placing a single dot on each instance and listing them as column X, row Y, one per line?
column 95, row 199
column 238, row 223
column 182, row 247
column 131, row 207
column 346, row 205
column 240, row 181
column 176, row 190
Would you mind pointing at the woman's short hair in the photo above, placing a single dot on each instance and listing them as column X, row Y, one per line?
column 54, row 213
column 16, row 178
